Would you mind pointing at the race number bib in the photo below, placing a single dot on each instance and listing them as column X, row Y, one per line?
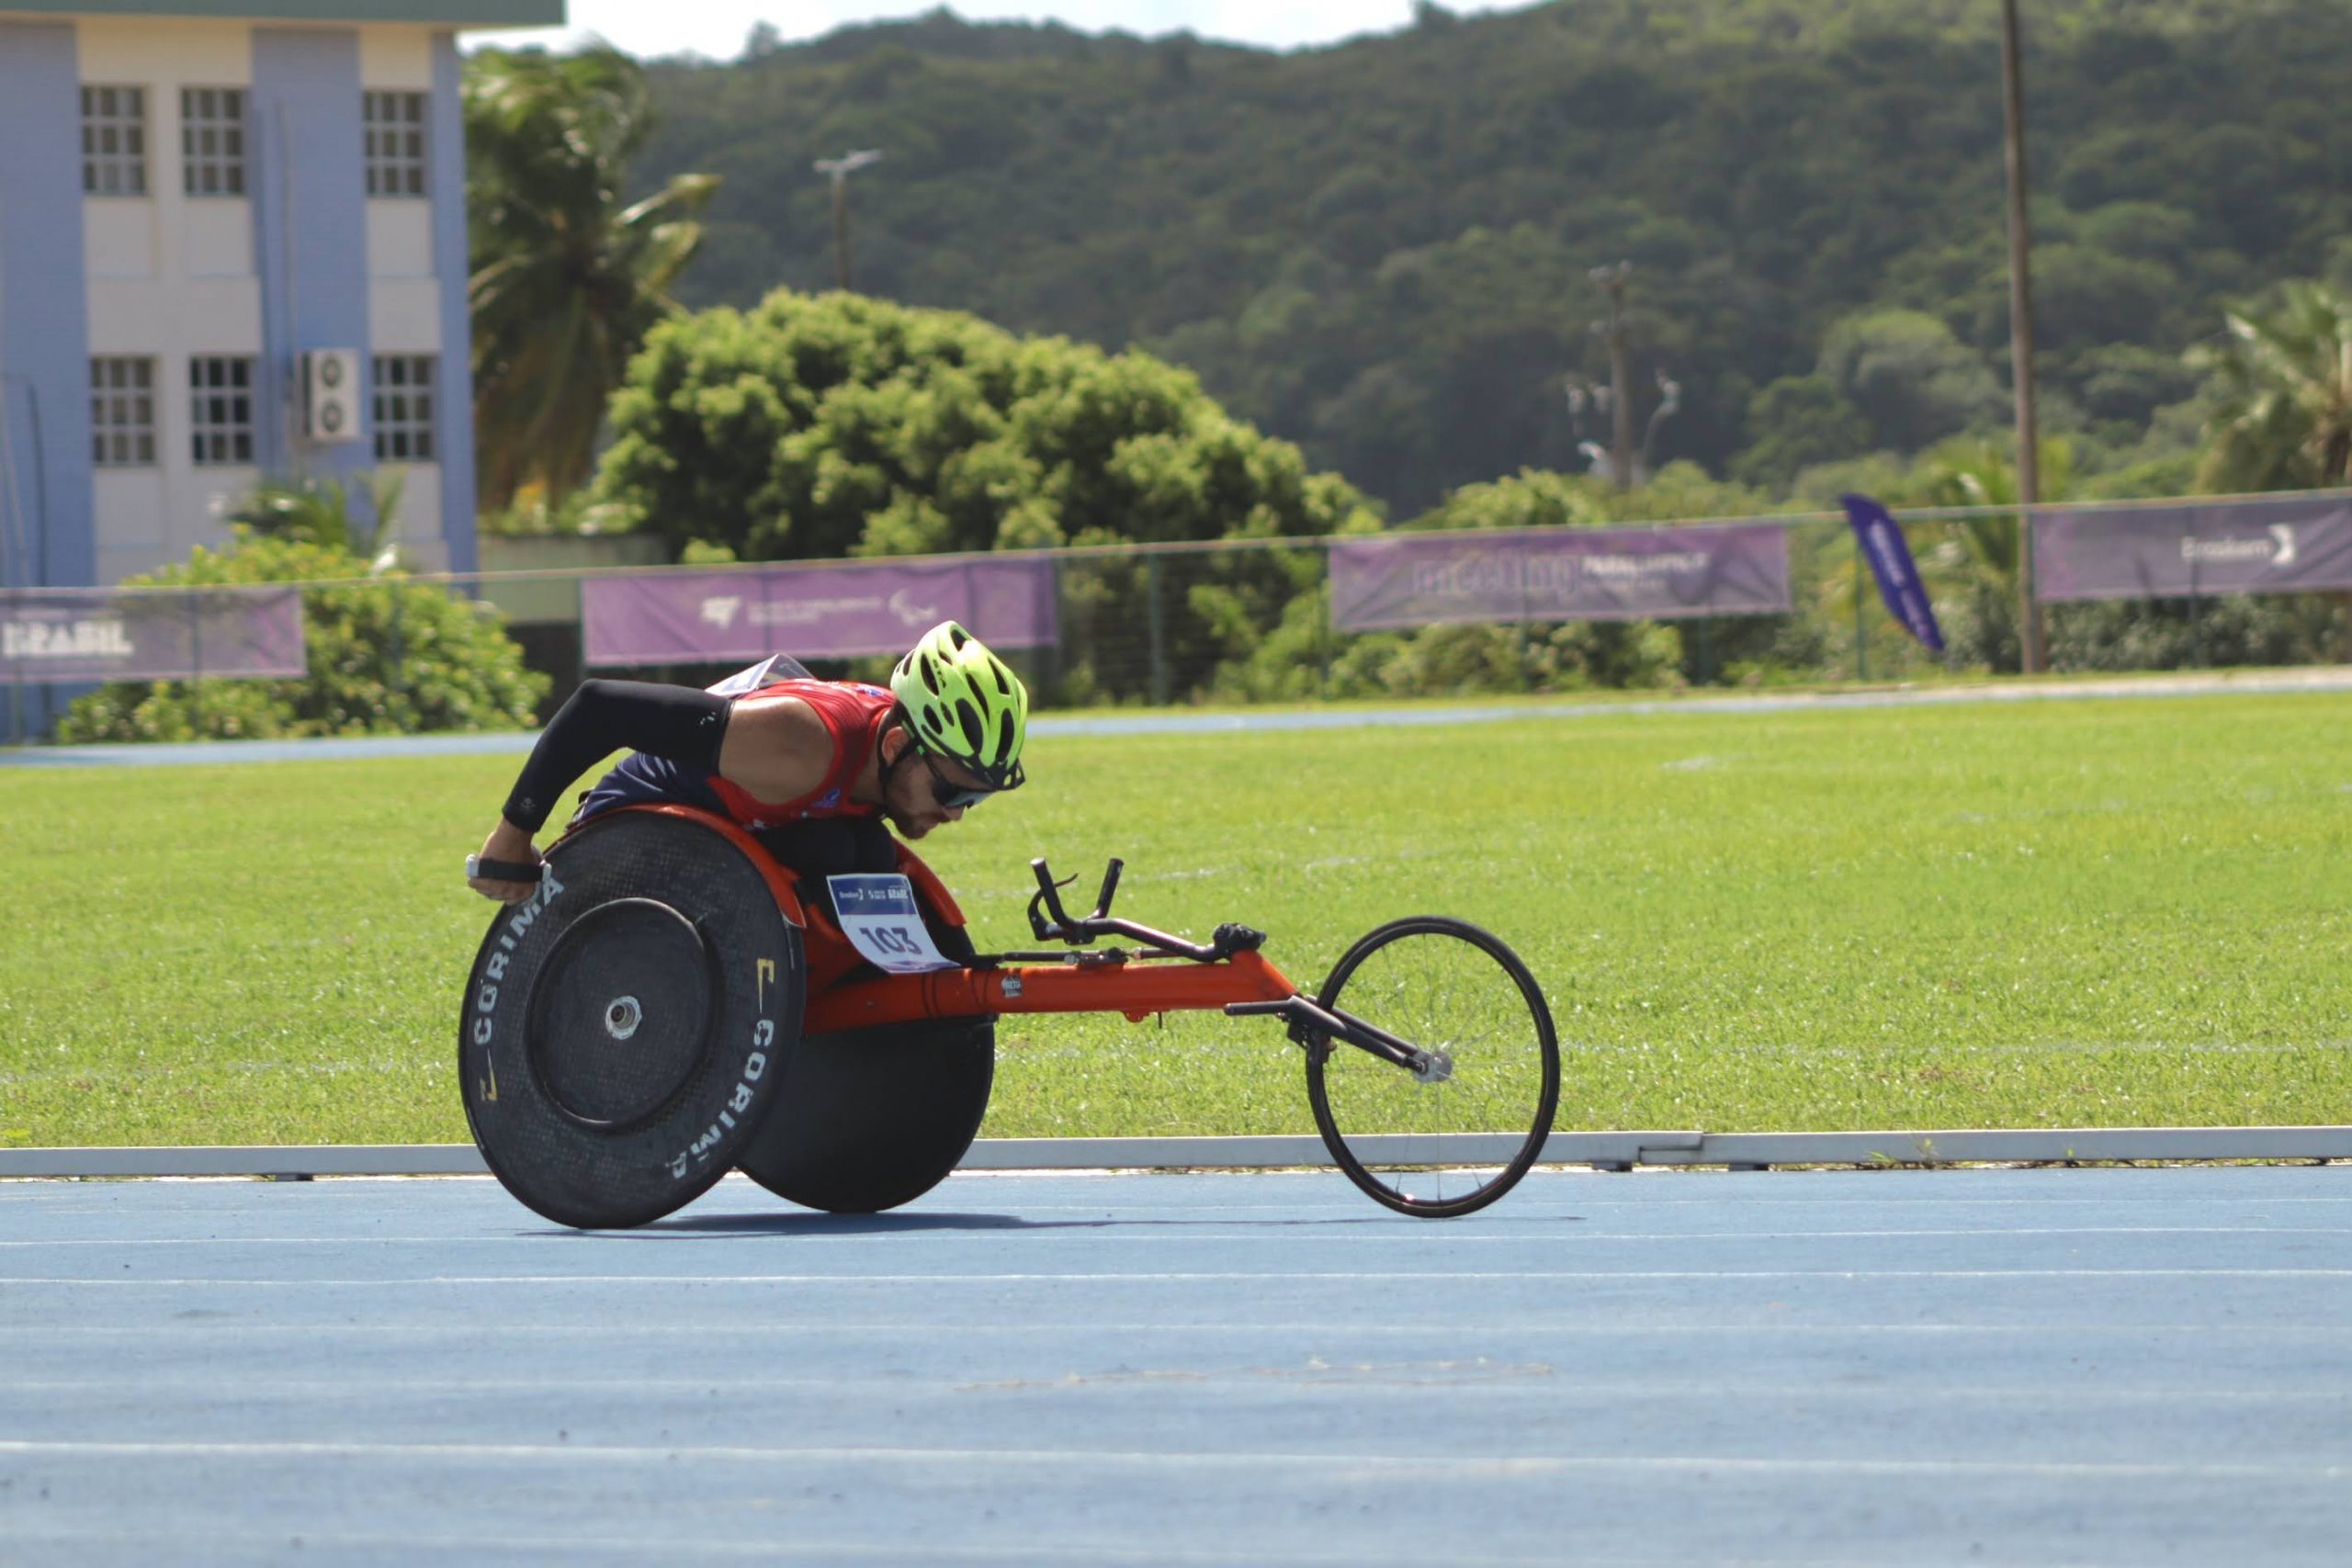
column 879, row 917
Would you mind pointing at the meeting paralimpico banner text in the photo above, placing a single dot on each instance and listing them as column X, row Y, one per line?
column 1559, row 574
column 814, row 611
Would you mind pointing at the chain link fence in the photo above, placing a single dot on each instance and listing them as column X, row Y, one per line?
column 1247, row 621
column 1251, row 621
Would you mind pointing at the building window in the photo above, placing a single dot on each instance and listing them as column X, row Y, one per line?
column 213, row 141
column 114, row 140
column 221, row 388
column 395, row 131
column 122, row 412
column 403, row 385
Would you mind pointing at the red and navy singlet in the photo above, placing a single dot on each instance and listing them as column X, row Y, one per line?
column 853, row 713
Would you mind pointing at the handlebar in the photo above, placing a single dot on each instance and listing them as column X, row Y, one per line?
column 1051, row 922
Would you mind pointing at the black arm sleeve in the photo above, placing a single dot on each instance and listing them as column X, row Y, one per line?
column 676, row 723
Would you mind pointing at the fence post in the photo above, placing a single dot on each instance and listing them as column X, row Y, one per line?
column 16, row 680
column 1861, row 652
column 399, row 650
column 1154, row 619
column 1330, row 633
column 196, row 659
column 2196, row 620
column 579, row 633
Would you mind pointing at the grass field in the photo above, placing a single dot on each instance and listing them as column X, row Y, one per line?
column 2121, row 913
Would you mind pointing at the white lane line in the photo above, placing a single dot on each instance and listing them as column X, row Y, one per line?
column 1366, row 1466
column 816, row 1236
column 1456, row 1377
column 682, row 1548
column 734, row 1329
column 1424, row 1277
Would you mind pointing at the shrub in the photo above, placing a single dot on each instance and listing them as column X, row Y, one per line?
column 388, row 656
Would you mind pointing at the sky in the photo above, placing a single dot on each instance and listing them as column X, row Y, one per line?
column 717, row 27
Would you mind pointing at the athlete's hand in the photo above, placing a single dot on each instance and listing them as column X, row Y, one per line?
column 507, row 842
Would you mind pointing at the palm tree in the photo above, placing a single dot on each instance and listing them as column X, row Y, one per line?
column 566, row 280
column 2282, row 389
column 1979, row 556
column 358, row 514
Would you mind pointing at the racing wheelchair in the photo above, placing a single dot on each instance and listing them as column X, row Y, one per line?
column 672, row 1003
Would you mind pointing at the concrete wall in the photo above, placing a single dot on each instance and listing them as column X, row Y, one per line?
column 453, row 434
column 310, row 228
column 304, row 259
column 172, row 276
column 45, row 495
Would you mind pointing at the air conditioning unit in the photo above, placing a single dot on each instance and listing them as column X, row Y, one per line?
column 332, row 405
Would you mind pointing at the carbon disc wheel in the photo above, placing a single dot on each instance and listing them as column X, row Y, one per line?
column 1458, row 1137
column 624, row 1029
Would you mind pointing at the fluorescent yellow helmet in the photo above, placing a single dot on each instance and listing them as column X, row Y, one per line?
column 963, row 704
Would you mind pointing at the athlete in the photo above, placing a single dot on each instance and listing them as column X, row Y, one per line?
column 810, row 768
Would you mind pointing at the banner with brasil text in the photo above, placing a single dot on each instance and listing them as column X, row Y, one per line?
column 1558, row 574
column 2291, row 544
column 813, row 612
column 74, row 634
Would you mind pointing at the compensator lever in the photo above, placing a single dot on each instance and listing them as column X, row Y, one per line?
column 1051, row 922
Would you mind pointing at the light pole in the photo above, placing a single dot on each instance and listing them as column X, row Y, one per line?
column 2021, row 338
column 1669, row 404
column 1624, row 466
column 841, row 169
column 1621, row 443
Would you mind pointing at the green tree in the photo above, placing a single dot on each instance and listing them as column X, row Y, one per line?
column 1349, row 260
column 357, row 516
column 1975, row 566
column 827, row 425
column 565, row 278
column 821, row 426
column 1796, row 422
column 2282, row 389
column 1913, row 380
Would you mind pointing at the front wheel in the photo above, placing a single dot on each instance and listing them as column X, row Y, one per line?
column 1460, row 1135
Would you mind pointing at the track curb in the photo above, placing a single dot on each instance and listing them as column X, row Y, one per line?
column 1607, row 1151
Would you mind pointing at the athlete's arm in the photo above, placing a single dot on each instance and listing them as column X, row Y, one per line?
column 776, row 746
column 677, row 723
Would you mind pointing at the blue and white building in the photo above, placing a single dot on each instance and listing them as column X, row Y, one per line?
column 233, row 245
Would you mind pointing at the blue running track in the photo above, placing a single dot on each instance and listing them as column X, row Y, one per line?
column 2126, row 1366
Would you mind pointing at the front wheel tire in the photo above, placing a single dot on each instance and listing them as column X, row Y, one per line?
column 1455, row 1142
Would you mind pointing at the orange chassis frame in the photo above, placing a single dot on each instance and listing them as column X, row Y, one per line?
column 1136, row 985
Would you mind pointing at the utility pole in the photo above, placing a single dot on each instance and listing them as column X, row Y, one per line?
column 841, row 169
column 1620, row 398
column 2021, row 339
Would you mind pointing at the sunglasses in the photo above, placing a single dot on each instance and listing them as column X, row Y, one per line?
column 950, row 795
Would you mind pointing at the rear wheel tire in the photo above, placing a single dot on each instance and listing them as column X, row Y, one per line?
column 1442, row 1148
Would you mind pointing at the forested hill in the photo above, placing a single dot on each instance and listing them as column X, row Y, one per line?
column 1381, row 250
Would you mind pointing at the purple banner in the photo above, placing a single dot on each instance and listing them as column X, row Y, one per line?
column 1898, row 575
column 2288, row 545
column 813, row 612
column 149, row 633
column 1558, row 574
